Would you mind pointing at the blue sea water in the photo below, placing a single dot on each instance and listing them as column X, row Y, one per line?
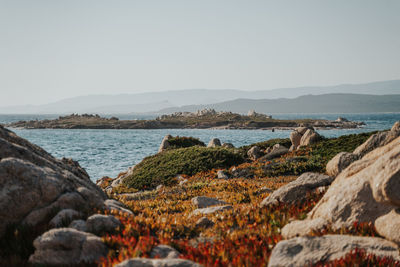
column 108, row 152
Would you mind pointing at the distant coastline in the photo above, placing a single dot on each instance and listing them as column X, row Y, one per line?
column 202, row 119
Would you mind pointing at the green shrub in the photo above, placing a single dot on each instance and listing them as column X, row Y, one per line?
column 181, row 142
column 319, row 155
column 163, row 167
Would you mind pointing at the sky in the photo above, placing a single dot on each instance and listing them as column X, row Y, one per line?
column 54, row 49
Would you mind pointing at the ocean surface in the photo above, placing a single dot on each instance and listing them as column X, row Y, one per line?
column 108, row 152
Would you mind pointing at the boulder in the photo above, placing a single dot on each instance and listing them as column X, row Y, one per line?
column 303, row 136
column 254, row 153
column 242, row 172
column 222, row 175
column 34, row 186
column 99, row 224
column 116, row 206
column 79, row 225
column 389, row 226
column 228, row 145
column 164, row 252
column 378, row 140
column 64, row 217
column 214, row 142
column 66, row 247
column 204, row 202
column 142, row 262
column 276, row 151
column 164, row 143
column 365, row 191
column 309, row 137
column 340, row 162
column 204, row 222
column 211, row 210
column 306, row 251
column 297, row 190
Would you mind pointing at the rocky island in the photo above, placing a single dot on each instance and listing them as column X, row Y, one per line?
column 305, row 200
column 202, row 119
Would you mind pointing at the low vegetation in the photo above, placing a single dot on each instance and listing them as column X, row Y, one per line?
column 163, row 167
column 243, row 236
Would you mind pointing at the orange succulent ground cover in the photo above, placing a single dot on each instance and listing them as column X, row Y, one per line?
column 243, row 236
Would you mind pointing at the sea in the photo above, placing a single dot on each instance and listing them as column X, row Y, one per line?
column 109, row 152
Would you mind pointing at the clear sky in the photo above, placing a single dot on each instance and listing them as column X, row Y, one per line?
column 52, row 49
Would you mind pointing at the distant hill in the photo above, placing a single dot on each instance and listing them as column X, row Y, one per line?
column 153, row 101
column 328, row 103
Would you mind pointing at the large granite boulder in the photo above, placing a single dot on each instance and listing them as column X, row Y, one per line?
column 254, row 153
column 66, row 247
column 35, row 186
column 303, row 136
column 337, row 164
column 215, row 142
column 306, row 251
column 366, row 191
column 297, row 190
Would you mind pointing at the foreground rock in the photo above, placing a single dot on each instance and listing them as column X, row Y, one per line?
column 164, row 252
column 364, row 192
column 35, row 185
column 66, row 246
column 204, row 202
column 141, row 262
column 303, row 136
column 276, row 151
column 214, row 142
column 344, row 159
column 254, row 153
column 305, row 251
column 99, row 224
column 297, row 190
column 164, row 143
column 340, row 162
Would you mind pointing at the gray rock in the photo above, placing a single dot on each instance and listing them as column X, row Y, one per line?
column 66, row 246
column 204, row 202
column 309, row 137
column 276, row 151
column 242, row 172
column 254, row 153
column 222, row 175
column 365, row 191
column 164, row 252
column 142, row 262
column 204, row 222
column 340, row 162
column 228, row 145
column 211, row 210
column 306, row 251
column 114, row 205
column 99, row 224
column 214, row 142
column 378, row 140
column 164, row 143
column 34, row 184
column 389, row 226
column 297, row 190
column 79, row 225
column 64, row 217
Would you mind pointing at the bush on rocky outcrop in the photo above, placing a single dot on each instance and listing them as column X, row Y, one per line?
column 183, row 141
column 163, row 167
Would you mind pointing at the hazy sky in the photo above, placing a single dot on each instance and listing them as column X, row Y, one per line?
column 55, row 49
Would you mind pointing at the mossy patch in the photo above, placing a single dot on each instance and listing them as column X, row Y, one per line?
column 163, row 167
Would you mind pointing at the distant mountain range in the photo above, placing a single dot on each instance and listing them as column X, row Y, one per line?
column 235, row 100
column 328, row 103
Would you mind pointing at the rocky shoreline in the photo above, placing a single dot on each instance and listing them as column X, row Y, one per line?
column 203, row 119
column 304, row 200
